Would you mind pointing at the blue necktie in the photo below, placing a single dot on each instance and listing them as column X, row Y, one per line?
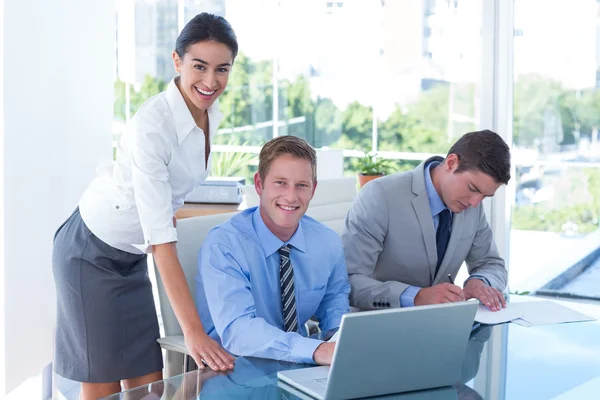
column 442, row 236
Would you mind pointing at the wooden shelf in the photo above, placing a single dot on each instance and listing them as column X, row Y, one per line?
column 196, row 209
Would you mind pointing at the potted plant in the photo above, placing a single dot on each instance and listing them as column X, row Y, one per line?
column 371, row 166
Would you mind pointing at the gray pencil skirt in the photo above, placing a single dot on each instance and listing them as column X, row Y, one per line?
column 106, row 327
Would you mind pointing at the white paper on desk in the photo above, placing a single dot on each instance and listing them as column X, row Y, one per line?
column 548, row 312
column 522, row 322
column 485, row 316
column 335, row 336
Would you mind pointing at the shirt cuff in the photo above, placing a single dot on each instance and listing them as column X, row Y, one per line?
column 481, row 278
column 160, row 236
column 407, row 298
column 157, row 236
column 304, row 349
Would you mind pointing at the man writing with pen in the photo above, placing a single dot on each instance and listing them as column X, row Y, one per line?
column 407, row 234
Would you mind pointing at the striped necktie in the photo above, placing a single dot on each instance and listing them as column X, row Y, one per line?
column 288, row 300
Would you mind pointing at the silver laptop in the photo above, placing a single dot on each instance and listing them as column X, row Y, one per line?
column 391, row 351
column 443, row 393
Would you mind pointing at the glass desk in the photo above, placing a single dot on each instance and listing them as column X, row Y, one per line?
column 508, row 361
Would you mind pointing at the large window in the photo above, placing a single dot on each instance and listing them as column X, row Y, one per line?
column 402, row 78
column 397, row 77
column 556, row 118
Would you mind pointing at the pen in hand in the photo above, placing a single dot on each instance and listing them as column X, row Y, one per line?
column 452, row 282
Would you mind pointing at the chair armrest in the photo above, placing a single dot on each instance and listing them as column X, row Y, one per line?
column 312, row 327
column 173, row 343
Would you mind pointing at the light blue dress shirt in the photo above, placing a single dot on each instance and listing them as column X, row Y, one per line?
column 238, row 284
column 436, row 205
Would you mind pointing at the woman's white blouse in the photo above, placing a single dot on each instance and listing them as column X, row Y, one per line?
column 160, row 160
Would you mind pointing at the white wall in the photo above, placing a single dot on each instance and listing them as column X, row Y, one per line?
column 2, row 342
column 330, row 164
column 57, row 89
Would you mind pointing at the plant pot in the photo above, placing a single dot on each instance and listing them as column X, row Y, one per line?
column 363, row 179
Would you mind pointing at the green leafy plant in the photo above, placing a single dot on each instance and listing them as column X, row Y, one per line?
column 232, row 164
column 372, row 164
column 228, row 164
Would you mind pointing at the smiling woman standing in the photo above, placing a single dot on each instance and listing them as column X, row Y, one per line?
column 106, row 320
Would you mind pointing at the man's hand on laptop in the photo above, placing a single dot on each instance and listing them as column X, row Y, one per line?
column 441, row 293
column 478, row 289
column 324, row 353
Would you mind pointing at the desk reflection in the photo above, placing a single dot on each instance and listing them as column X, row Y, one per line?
column 255, row 378
column 470, row 365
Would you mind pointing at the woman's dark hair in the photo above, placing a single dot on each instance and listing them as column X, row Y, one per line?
column 204, row 27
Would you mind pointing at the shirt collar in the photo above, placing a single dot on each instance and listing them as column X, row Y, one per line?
column 271, row 243
column 184, row 121
column 435, row 202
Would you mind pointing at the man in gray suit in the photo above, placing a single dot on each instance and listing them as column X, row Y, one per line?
column 407, row 234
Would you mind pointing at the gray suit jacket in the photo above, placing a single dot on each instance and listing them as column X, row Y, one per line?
column 389, row 242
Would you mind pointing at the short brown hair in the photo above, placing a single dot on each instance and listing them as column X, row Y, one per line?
column 281, row 145
column 484, row 151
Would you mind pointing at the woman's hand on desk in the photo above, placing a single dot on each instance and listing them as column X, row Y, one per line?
column 205, row 350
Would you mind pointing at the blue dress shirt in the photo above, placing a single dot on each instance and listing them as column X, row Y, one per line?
column 238, row 284
column 436, row 205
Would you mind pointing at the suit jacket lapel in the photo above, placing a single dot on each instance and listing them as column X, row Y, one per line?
column 421, row 206
column 423, row 210
column 455, row 235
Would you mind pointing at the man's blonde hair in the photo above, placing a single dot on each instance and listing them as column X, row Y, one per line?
column 281, row 145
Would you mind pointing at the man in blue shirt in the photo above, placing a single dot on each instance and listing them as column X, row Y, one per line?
column 407, row 234
column 266, row 271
